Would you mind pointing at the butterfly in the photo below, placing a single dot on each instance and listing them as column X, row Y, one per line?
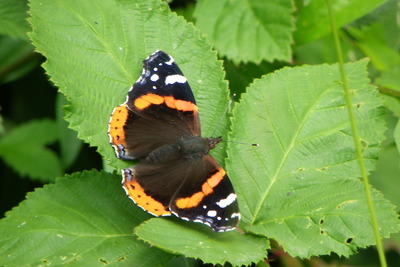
column 159, row 126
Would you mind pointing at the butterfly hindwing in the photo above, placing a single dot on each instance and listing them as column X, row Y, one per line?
column 211, row 200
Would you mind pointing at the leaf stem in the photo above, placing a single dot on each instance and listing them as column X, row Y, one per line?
column 356, row 137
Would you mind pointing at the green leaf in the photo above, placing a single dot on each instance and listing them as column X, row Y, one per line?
column 70, row 145
column 23, row 148
column 300, row 186
column 83, row 219
column 16, row 58
column 248, row 30
column 313, row 21
column 1, row 125
column 387, row 172
column 94, row 52
column 382, row 56
column 397, row 136
column 199, row 241
column 13, row 18
column 390, row 79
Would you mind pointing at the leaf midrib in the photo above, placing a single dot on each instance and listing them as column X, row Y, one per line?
column 289, row 149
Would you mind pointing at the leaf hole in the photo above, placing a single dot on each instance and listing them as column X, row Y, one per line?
column 321, row 221
column 349, row 240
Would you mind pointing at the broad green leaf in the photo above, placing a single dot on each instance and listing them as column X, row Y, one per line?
column 313, row 20
column 200, row 241
column 300, row 186
column 81, row 220
column 94, row 52
column 23, row 149
column 13, row 18
column 248, row 30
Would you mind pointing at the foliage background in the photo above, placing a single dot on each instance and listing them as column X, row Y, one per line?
column 36, row 145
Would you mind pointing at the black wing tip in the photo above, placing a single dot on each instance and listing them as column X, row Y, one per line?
column 158, row 56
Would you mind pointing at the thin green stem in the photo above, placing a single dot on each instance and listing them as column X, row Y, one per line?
column 367, row 188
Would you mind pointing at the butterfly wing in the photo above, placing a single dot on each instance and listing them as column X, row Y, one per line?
column 194, row 190
column 209, row 199
column 160, row 109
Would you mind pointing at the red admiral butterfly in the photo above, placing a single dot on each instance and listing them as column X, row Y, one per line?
column 159, row 125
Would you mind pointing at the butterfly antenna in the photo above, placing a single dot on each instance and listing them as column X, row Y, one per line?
column 220, row 120
column 241, row 143
column 224, row 113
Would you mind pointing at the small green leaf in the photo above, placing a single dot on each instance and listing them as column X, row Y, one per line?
column 1, row 125
column 390, row 79
column 312, row 21
column 397, row 136
column 248, row 30
column 70, row 145
column 23, row 148
column 95, row 51
column 199, row 241
column 83, row 219
column 13, row 18
column 16, row 58
column 300, row 186
column 382, row 55
column 387, row 171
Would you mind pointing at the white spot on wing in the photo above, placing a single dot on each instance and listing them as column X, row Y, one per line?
column 235, row 215
column 223, row 203
column 171, row 79
column 154, row 77
column 212, row 213
column 170, row 61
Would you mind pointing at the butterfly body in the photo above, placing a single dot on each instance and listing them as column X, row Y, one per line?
column 159, row 125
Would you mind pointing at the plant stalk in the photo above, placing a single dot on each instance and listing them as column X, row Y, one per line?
column 367, row 187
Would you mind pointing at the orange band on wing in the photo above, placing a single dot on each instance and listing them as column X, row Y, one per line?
column 206, row 189
column 116, row 125
column 146, row 202
column 146, row 100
